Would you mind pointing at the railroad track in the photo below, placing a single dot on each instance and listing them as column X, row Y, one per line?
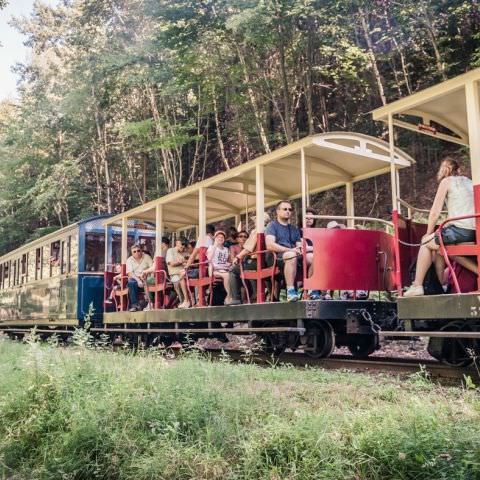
column 398, row 366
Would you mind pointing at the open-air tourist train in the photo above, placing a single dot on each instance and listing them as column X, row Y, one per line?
column 53, row 282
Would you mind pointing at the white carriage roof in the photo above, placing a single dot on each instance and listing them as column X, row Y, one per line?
column 442, row 106
column 334, row 159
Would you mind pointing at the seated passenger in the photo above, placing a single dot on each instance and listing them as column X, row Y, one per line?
column 116, row 283
column 232, row 237
column 236, row 248
column 176, row 268
column 220, row 259
column 137, row 263
column 165, row 245
column 285, row 240
column 457, row 191
column 249, row 263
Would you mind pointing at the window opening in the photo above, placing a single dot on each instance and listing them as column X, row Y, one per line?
column 24, row 268
column 94, row 252
column 38, row 264
column 54, row 255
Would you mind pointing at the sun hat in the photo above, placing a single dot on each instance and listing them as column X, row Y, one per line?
column 335, row 224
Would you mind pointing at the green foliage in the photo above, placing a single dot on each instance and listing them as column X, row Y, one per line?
column 123, row 101
column 82, row 414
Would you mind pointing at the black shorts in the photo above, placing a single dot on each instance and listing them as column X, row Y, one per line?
column 452, row 235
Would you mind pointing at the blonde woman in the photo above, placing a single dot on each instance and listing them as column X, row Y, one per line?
column 457, row 191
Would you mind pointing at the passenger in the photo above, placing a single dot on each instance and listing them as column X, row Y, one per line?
column 285, row 240
column 232, row 237
column 165, row 245
column 236, row 248
column 137, row 263
column 457, row 191
column 220, row 259
column 176, row 268
column 249, row 263
column 116, row 283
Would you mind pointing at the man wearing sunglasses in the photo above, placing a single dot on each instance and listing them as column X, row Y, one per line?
column 286, row 241
column 137, row 263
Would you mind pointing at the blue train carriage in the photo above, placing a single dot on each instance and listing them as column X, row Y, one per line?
column 54, row 279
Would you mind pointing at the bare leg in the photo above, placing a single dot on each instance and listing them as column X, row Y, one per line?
column 183, row 287
column 468, row 263
column 225, row 276
column 424, row 261
column 439, row 263
column 310, row 264
column 290, row 269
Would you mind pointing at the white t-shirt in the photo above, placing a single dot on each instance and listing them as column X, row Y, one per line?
column 137, row 268
column 219, row 257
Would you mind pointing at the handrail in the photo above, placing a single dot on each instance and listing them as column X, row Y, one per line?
column 444, row 251
column 411, row 208
column 350, row 217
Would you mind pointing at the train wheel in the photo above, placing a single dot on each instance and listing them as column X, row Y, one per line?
column 274, row 343
column 363, row 345
column 320, row 339
column 456, row 352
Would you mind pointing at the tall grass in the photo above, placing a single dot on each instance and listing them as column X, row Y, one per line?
column 82, row 414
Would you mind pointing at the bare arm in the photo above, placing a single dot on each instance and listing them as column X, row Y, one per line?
column 437, row 206
column 275, row 247
column 192, row 257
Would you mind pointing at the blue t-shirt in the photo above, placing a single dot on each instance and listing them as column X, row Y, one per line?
column 285, row 235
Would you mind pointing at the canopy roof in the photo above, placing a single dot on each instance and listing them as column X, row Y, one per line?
column 442, row 107
column 333, row 159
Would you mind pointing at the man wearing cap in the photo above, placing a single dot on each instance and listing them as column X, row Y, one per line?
column 249, row 263
column 220, row 261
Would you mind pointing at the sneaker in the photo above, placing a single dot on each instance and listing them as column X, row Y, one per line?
column 292, row 295
column 134, row 308
column 414, row 291
column 361, row 294
column 327, row 296
column 233, row 301
column 184, row 305
column 108, row 301
column 148, row 308
column 315, row 295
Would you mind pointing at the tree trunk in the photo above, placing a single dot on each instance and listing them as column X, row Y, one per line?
column 371, row 55
column 286, row 92
column 217, row 129
column 253, row 101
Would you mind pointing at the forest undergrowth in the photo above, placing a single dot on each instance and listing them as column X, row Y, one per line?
column 81, row 413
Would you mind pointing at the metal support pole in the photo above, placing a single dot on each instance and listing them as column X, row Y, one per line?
column 350, row 204
column 472, row 98
column 158, row 230
column 260, row 196
column 202, row 214
column 124, row 255
column 303, row 173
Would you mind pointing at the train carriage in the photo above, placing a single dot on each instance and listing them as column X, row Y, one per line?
column 349, row 259
column 449, row 111
column 53, row 280
column 57, row 279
